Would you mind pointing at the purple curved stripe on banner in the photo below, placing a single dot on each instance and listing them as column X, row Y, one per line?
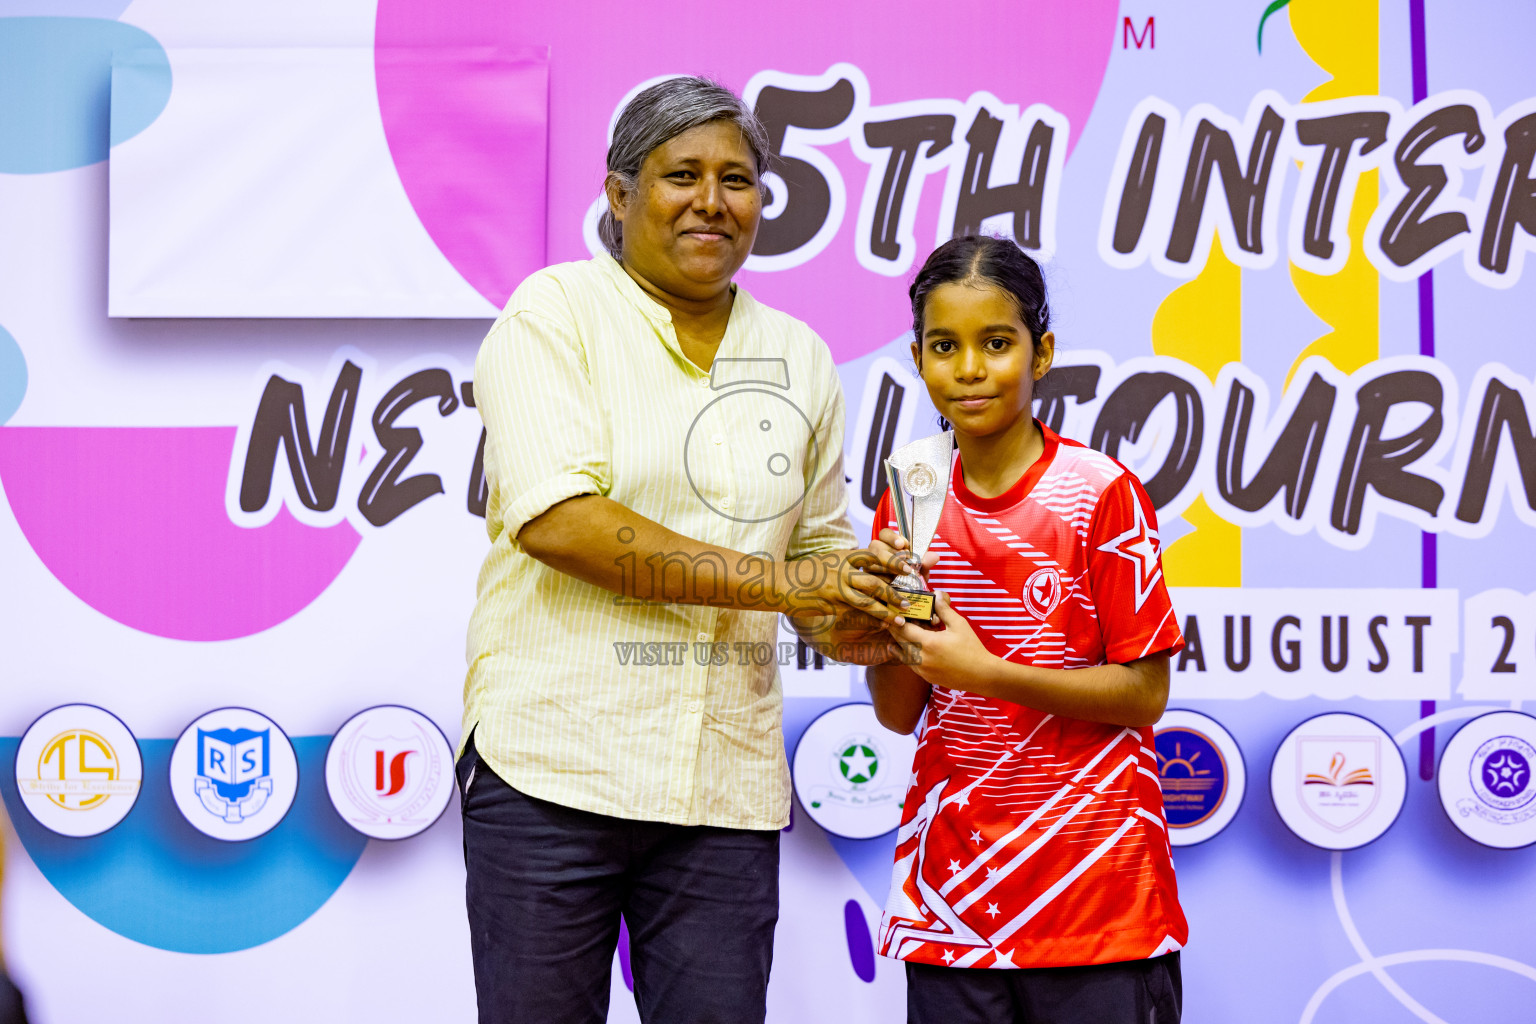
column 861, row 948
column 132, row 521
column 1025, row 52
column 466, row 128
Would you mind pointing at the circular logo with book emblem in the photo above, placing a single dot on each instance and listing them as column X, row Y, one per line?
column 850, row 772
column 78, row 770
column 1338, row 781
column 234, row 774
column 1485, row 779
column 1202, row 773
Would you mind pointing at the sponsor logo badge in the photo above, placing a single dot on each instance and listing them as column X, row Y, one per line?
column 234, row 774
column 1337, row 778
column 1338, row 781
column 389, row 772
column 851, row 773
column 78, row 770
column 1485, row 779
column 1202, row 773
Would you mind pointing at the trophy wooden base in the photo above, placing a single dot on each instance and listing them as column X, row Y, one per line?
column 922, row 604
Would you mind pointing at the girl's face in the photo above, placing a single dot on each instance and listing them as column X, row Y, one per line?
column 978, row 360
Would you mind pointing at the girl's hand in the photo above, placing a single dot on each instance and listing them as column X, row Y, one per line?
column 894, row 543
column 953, row 656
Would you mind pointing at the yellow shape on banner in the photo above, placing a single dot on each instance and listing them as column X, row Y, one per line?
column 1349, row 301
column 1201, row 323
column 1344, row 38
column 1209, row 556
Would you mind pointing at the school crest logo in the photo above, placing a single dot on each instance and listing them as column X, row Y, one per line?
column 78, row 770
column 850, row 773
column 1337, row 778
column 1485, row 779
column 234, row 774
column 389, row 772
column 1338, row 781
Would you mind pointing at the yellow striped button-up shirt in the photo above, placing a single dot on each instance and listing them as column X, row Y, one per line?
column 578, row 695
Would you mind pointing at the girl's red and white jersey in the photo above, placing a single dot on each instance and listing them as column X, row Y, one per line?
column 1027, row 839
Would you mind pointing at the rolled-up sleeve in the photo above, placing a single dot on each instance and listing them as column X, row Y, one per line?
column 547, row 437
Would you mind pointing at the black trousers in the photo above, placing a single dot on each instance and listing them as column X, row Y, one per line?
column 547, row 885
column 1135, row 992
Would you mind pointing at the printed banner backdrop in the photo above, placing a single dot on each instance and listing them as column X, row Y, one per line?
column 1286, row 247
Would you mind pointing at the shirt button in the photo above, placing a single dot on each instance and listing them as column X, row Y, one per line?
column 703, row 382
column 694, row 707
column 703, row 638
column 718, row 439
column 725, row 503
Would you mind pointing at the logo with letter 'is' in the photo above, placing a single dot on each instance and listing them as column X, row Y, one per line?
column 78, row 770
column 389, row 772
column 234, row 774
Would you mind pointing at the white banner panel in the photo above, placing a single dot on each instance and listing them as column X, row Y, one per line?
column 287, row 182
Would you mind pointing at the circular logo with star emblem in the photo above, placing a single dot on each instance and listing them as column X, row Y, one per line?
column 850, row 772
column 858, row 760
column 1485, row 779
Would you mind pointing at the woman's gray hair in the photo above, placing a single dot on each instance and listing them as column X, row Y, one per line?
column 660, row 113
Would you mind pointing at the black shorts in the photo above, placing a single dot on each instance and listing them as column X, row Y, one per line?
column 1134, row 992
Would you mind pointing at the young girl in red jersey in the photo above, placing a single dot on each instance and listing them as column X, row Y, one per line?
column 1033, row 840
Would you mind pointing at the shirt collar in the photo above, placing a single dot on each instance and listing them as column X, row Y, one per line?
column 649, row 307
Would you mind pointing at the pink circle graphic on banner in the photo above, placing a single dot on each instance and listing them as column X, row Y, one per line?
column 1023, row 53
column 132, row 521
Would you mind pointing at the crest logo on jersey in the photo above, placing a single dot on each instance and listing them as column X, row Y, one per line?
column 78, row 770
column 1140, row 546
column 234, row 774
column 1338, row 781
column 389, row 772
column 1042, row 592
column 1485, row 779
column 850, row 773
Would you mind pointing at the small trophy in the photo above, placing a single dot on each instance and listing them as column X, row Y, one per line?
column 917, row 482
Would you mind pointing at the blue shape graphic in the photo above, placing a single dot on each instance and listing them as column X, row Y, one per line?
column 157, row 880
column 56, row 109
column 861, row 948
column 13, row 376
column 65, row 8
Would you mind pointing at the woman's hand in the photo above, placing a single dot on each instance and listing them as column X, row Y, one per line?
column 843, row 605
column 953, row 656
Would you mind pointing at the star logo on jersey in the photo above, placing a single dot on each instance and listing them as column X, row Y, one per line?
column 1138, row 545
column 1042, row 592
